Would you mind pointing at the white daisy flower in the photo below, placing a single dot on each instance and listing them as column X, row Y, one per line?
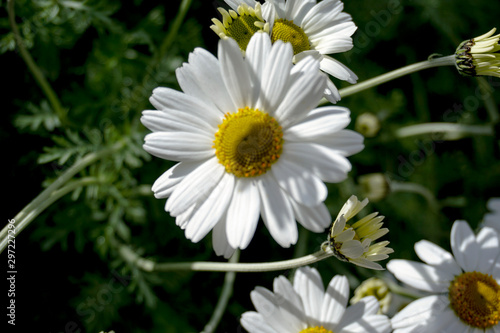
column 313, row 29
column 249, row 143
column 306, row 307
column 353, row 242
column 465, row 286
column 492, row 219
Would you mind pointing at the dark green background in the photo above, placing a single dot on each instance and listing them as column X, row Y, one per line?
column 95, row 60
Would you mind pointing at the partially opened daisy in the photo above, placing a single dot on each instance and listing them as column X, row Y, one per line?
column 305, row 307
column 353, row 242
column 465, row 286
column 249, row 143
column 315, row 29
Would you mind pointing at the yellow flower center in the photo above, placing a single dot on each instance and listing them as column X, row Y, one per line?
column 475, row 298
column 317, row 329
column 288, row 32
column 248, row 142
column 242, row 28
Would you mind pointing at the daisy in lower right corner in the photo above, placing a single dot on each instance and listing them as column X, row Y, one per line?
column 464, row 287
column 305, row 307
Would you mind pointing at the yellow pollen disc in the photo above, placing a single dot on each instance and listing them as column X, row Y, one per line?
column 248, row 142
column 241, row 29
column 288, row 32
column 475, row 298
column 317, row 329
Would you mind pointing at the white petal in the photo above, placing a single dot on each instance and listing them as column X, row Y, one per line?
column 308, row 284
column 421, row 276
column 321, row 15
column 211, row 210
column 219, row 240
column 419, row 311
column 319, row 122
column 337, row 69
column 177, row 146
column 254, row 322
column 345, row 142
column 335, row 301
column 331, row 92
column 277, row 212
column 178, row 121
column 303, row 95
column 170, row 99
column 165, row 184
column 322, row 161
column 201, row 77
column 296, row 10
column 290, row 303
column 243, row 213
column 464, row 246
column 368, row 324
column 365, row 307
column 266, row 304
column 234, row 4
column 315, row 218
column 276, row 76
column 235, row 74
column 303, row 186
column 488, row 241
column 195, row 187
column 257, row 54
column 434, row 255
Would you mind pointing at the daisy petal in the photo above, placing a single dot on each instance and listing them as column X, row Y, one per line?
column 335, row 301
column 277, row 212
column 337, row 69
column 212, row 209
column 421, row 276
column 235, row 74
column 308, row 284
column 177, row 146
column 254, row 322
column 464, row 246
column 488, row 240
column 257, row 54
column 301, row 184
column 290, row 303
column 434, row 255
column 219, row 240
column 266, row 304
column 243, row 214
column 164, row 185
column 315, row 218
column 364, row 307
column 319, row 122
column 418, row 312
column 195, row 187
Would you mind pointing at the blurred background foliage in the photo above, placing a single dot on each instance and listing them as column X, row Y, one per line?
column 103, row 58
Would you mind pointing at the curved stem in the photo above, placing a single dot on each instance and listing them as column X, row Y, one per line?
column 150, row 266
column 417, row 189
column 34, row 69
column 38, row 204
column 54, row 196
column 227, row 290
column 449, row 131
column 434, row 62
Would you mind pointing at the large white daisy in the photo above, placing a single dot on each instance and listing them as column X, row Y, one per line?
column 465, row 286
column 249, row 143
column 315, row 29
column 306, row 307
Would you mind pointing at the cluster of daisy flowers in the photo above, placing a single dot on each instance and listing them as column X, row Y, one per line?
column 251, row 143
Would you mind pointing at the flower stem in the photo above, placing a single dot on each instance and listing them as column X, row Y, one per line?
column 37, row 205
column 151, row 266
column 34, row 69
column 449, row 131
column 227, row 290
column 433, row 62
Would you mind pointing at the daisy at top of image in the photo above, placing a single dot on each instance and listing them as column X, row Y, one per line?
column 353, row 242
column 306, row 307
column 464, row 286
column 315, row 29
column 249, row 143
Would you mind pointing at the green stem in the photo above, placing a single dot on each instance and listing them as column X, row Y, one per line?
column 39, row 203
column 447, row 131
column 34, row 69
column 433, row 62
column 227, row 290
column 151, row 266
column 53, row 197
